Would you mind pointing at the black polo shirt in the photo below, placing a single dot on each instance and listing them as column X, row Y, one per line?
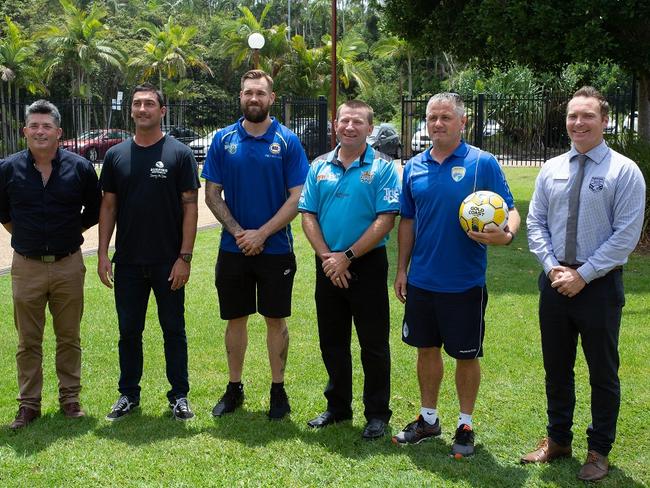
column 48, row 219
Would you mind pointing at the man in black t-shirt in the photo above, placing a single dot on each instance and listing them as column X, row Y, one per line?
column 150, row 185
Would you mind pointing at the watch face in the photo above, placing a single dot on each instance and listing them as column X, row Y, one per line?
column 349, row 254
column 186, row 257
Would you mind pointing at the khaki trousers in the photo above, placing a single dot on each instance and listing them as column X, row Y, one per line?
column 60, row 286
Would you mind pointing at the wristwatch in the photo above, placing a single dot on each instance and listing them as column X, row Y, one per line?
column 350, row 254
column 186, row 256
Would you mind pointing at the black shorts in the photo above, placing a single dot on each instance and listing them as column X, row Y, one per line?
column 265, row 280
column 455, row 320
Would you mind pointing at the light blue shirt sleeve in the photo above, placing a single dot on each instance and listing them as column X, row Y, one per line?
column 387, row 198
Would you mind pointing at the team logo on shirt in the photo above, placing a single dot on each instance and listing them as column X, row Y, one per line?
column 597, row 183
column 274, row 148
column 367, row 176
column 327, row 175
column 391, row 195
column 405, row 330
column 457, row 173
column 231, row 148
column 158, row 170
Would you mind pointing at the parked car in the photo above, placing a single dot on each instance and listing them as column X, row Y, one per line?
column 420, row 140
column 94, row 143
column 385, row 139
column 183, row 134
column 307, row 130
column 491, row 128
column 201, row 145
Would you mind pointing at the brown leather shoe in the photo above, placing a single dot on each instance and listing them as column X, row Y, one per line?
column 24, row 416
column 72, row 410
column 595, row 468
column 547, row 450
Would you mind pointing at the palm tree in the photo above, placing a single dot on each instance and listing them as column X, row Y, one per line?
column 234, row 43
column 401, row 51
column 168, row 53
column 80, row 44
column 348, row 65
column 16, row 65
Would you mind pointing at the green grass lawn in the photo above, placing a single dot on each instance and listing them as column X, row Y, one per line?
column 150, row 449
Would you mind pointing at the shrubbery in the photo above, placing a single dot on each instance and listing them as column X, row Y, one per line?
column 638, row 150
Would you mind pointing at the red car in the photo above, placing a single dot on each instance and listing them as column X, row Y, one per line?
column 94, row 143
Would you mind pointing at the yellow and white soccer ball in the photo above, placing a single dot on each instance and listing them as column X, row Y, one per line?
column 482, row 208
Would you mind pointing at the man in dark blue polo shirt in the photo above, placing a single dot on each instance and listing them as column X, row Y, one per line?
column 348, row 207
column 260, row 166
column 441, row 269
column 48, row 198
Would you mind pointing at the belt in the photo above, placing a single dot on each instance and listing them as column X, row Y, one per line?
column 576, row 266
column 48, row 258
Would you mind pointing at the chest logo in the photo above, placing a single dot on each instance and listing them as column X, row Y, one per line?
column 274, row 148
column 158, row 170
column 231, row 148
column 597, row 183
column 457, row 173
column 367, row 176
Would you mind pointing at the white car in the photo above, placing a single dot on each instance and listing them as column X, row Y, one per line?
column 420, row 140
column 201, row 145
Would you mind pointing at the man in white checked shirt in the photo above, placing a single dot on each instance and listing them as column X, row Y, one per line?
column 585, row 219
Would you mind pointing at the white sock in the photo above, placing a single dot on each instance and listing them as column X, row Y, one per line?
column 430, row 415
column 464, row 418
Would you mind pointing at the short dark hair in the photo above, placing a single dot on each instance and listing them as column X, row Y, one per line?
column 44, row 107
column 257, row 74
column 357, row 104
column 591, row 92
column 149, row 87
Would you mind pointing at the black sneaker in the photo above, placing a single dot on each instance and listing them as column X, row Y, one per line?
column 123, row 406
column 417, row 431
column 463, row 441
column 230, row 400
column 181, row 409
column 279, row 404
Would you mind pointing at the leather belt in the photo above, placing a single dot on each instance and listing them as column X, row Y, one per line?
column 48, row 258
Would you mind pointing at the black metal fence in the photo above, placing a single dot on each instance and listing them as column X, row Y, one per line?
column 91, row 128
column 521, row 131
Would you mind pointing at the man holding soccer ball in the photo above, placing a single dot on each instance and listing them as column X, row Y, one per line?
column 444, row 286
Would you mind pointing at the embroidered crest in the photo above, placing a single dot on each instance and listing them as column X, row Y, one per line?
column 457, row 173
column 231, row 148
column 597, row 183
column 274, row 148
column 367, row 176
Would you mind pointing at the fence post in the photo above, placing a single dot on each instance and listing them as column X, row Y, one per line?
column 480, row 122
column 323, row 140
column 633, row 103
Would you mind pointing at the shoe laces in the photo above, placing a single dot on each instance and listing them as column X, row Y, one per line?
column 463, row 433
column 182, row 405
column 121, row 403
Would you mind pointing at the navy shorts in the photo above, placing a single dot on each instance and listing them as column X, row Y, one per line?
column 455, row 320
column 247, row 284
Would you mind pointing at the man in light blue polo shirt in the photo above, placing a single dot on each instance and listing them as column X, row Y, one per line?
column 260, row 166
column 348, row 207
column 444, row 286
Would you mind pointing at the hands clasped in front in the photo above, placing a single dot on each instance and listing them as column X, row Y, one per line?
column 335, row 267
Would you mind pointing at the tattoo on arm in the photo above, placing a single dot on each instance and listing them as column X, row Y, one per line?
column 219, row 209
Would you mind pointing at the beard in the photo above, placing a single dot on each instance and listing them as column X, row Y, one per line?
column 255, row 113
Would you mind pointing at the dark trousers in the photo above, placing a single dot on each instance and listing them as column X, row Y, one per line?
column 365, row 301
column 595, row 315
column 133, row 285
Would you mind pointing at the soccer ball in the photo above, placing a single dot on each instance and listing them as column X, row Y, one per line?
column 482, row 208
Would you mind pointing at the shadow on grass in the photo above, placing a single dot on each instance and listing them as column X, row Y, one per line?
column 563, row 473
column 137, row 429
column 45, row 431
column 253, row 429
